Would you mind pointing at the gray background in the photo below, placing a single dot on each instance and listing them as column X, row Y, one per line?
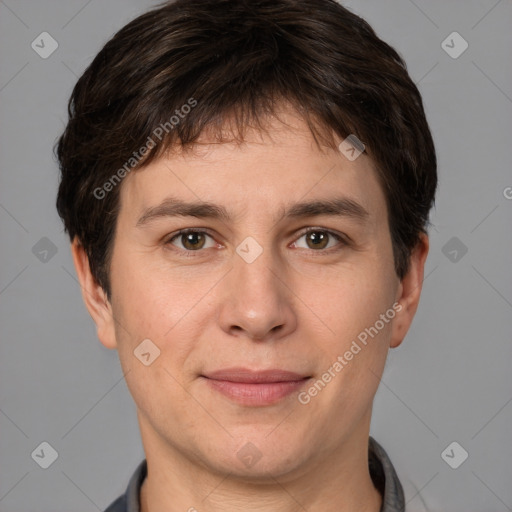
column 449, row 381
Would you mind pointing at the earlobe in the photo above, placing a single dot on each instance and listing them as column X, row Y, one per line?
column 94, row 297
column 409, row 291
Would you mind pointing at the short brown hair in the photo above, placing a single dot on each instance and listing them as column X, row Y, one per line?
column 240, row 59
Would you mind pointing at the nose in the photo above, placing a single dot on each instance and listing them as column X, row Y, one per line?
column 256, row 301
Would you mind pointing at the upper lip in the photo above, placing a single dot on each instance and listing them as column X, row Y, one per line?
column 252, row 376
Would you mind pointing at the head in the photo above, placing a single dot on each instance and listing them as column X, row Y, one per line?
column 245, row 106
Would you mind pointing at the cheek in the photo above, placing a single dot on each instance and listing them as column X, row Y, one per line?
column 354, row 300
column 148, row 299
column 165, row 307
column 159, row 395
column 356, row 353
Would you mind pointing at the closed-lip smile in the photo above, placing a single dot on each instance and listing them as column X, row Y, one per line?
column 255, row 387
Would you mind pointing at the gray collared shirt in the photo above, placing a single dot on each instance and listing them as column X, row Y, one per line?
column 382, row 472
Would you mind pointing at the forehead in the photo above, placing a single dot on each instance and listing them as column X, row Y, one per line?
column 266, row 173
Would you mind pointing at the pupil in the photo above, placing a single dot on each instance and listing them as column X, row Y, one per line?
column 192, row 239
column 317, row 238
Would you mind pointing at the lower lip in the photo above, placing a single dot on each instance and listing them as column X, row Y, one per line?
column 256, row 394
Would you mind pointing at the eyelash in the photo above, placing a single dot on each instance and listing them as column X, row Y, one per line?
column 343, row 240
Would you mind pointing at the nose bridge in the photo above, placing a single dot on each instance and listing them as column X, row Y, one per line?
column 256, row 300
column 255, row 266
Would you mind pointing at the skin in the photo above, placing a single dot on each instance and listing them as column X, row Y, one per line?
column 296, row 307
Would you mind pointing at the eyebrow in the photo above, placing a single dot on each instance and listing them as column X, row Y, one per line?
column 336, row 207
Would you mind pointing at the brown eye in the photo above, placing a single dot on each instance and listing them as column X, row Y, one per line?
column 320, row 239
column 317, row 239
column 189, row 240
column 193, row 241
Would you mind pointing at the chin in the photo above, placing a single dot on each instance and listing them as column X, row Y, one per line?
column 259, row 461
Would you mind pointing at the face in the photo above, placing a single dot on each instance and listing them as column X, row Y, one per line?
column 269, row 321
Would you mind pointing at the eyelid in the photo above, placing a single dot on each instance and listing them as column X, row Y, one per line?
column 340, row 236
column 344, row 239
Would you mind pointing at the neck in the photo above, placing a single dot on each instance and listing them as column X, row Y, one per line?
column 369, row 500
column 339, row 482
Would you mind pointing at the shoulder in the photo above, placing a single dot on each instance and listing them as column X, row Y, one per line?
column 118, row 505
column 129, row 501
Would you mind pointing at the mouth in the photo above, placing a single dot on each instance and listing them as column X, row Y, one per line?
column 255, row 388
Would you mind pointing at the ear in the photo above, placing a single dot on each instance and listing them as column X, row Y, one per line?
column 409, row 291
column 94, row 297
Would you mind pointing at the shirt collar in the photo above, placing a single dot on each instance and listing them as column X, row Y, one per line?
column 385, row 478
